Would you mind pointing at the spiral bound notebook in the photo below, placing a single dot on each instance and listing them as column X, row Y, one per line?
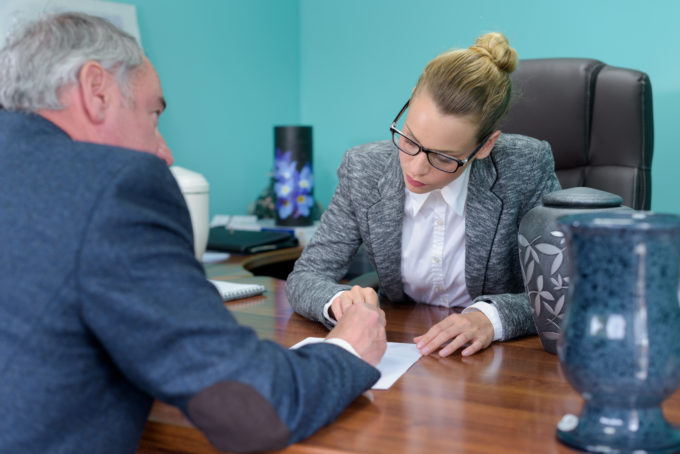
column 233, row 290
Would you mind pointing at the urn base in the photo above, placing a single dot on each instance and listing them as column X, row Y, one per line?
column 619, row 431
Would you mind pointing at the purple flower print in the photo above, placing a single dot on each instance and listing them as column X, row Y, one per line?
column 304, row 203
column 293, row 189
column 306, row 181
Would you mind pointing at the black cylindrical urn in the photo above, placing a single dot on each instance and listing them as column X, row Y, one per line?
column 293, row 175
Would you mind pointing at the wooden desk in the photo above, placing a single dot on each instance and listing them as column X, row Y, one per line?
column 237, row 266
column 506, row 399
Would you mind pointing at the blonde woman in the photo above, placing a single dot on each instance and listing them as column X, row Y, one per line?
column 437, row 208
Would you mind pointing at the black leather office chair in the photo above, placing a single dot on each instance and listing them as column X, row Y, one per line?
column 597, row 118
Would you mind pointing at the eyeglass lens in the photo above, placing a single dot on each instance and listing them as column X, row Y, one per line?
column 410, row 147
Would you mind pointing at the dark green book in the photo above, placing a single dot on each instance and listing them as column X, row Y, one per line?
column 249, row 241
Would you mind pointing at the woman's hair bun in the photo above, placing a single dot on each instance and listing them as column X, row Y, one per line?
column 495, row 46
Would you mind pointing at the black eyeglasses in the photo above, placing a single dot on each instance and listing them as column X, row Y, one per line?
column 438, row 160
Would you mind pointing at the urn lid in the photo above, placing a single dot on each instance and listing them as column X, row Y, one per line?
column 190, row 182
column 582, row 197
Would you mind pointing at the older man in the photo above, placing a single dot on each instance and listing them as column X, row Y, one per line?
column 103, row 306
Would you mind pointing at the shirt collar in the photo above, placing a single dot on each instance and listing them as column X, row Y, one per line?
column 454, row 195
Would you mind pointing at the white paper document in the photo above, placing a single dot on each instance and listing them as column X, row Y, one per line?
column 214, row 256
column 398, row 358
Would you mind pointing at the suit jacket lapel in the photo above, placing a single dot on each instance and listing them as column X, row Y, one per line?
column 385, row 219
column 482, row 214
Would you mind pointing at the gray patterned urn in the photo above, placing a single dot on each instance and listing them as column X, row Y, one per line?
column 542, row 253
column 619, row 345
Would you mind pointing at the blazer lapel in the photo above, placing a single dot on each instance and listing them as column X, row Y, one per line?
column 385, row 219
column 482, row 214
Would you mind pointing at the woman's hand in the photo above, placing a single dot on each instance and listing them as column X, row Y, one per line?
column 473, row 327
column 355, row 295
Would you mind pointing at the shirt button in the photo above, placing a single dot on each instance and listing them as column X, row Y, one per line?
column 436, row 259
column 439, row 221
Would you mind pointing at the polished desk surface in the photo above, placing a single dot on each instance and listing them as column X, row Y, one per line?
column 506, row 399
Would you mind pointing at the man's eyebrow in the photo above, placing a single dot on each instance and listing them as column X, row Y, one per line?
column 162, row 102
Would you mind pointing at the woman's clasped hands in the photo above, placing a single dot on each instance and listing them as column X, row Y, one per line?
column 354, row 295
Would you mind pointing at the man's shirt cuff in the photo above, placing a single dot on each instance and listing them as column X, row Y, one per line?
column 343, row 344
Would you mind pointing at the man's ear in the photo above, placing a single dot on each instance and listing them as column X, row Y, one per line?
column 95, row 88
column 488, row 145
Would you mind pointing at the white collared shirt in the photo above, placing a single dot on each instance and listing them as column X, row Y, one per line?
column 433, row 245
column 433, row 249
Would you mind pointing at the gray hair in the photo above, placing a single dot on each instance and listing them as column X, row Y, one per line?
column 46, row 55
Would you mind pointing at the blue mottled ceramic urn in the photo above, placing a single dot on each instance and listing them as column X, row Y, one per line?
column 620, row 342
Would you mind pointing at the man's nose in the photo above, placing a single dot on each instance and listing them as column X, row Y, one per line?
column 164, row 152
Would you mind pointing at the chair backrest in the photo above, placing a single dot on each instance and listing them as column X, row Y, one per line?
column 597, row 119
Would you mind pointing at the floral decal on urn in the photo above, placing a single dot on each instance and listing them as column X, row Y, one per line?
column 543, row 256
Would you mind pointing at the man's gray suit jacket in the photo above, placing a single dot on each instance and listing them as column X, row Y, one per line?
column 368, row 208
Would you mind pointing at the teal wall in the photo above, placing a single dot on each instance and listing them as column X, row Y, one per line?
column 360, row 59
column 232, row 69
column 230, row 72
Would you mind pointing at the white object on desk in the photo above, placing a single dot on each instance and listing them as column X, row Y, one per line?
column 397, row 360
column 196, row 190
column 214, row 256
column 226, row 220
column 233, row 291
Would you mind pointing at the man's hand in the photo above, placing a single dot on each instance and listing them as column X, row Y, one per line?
column 355, row 295
column 363, row 326
column 473, row 328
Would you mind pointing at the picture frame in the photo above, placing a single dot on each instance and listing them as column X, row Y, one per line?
column 14, row 12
